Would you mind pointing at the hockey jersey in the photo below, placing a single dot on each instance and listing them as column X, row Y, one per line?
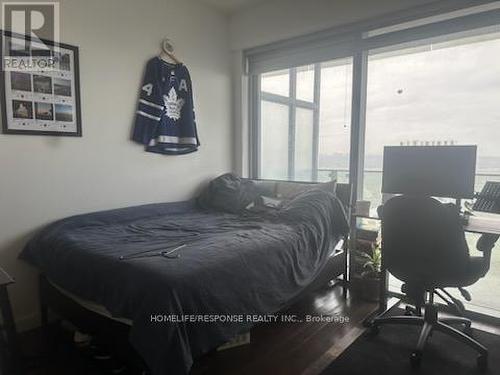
column 164, row 121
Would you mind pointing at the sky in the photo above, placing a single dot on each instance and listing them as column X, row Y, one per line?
column 441, row 94
column 434, row 95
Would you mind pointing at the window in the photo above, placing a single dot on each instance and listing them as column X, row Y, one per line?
column 431, row 80
column 437, row 94
column 274, row 148
column 305, row 122
column 335, row 120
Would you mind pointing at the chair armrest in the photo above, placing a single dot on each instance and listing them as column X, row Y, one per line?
column 486, row 242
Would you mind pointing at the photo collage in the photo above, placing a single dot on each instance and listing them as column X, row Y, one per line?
column 43, row 100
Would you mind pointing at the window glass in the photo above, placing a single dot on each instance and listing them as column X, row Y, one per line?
column 304, row 144
column 274, row 140
column 335, row 120
column 277, row 82
column 332, row 111
column 434, row 95
column 305, row 83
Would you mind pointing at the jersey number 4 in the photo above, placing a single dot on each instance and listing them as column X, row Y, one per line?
column 148, row 88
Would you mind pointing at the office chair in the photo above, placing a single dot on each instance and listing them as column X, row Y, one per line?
column 423, row 244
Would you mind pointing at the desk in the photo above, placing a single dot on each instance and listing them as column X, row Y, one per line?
column 480, row 223
column 483, row 224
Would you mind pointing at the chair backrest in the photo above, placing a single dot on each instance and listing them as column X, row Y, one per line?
column 423, row 241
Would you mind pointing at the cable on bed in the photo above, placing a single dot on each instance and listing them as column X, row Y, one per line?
column 166, row 253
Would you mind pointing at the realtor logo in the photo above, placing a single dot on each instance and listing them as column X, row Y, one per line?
column 26, row 26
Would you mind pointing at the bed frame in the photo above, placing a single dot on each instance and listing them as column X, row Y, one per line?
column 114, row 334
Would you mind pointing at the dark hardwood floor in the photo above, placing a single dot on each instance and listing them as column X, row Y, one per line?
column 294, row 348
column 302, row 347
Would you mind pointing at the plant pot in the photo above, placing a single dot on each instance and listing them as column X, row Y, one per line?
column 368, row 289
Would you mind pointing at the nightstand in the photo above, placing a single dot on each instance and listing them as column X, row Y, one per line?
column 10, row 349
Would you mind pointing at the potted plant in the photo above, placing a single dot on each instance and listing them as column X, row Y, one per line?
column 366, row 275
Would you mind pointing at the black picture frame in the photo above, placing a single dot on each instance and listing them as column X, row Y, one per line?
column 76, row 84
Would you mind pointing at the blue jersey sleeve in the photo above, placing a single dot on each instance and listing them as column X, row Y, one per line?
column 149, row 109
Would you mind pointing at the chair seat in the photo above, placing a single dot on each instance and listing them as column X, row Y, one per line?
column 476, row 269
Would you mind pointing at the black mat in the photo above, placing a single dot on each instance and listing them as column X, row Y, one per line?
column 388, row 354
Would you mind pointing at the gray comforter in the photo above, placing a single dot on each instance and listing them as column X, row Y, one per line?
column 231, row 264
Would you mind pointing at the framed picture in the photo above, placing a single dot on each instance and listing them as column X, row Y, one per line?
column 40, row 87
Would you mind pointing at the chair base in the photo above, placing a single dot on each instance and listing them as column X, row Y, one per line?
column 430, row 322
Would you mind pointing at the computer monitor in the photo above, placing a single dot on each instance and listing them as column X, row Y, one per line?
column 438, row 171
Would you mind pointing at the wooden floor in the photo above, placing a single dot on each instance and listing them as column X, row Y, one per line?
column 294, row 348
column 276, row 348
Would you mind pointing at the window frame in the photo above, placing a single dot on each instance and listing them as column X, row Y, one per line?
column 360, row 43
column 355, row 41
column 292, row 104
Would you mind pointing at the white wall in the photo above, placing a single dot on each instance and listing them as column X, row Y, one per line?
column 277, row 20
column 47, row 178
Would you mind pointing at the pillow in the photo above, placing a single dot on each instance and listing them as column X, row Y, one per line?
column 288, row 190
column 228, row 193
column 266, row 201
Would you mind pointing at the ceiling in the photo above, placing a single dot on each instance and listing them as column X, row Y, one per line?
column 230, row 6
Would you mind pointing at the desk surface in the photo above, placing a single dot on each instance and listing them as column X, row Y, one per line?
column 487, row 223
column 477, row 223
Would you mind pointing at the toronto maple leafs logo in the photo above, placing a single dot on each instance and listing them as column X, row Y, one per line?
column 173, row 105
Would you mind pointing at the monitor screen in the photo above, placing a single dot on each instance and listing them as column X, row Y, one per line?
column 439, row 171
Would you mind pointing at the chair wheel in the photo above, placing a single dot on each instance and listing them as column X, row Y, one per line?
column 482, row 362
column 415, row 359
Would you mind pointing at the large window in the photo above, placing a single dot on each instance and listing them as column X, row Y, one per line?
column 435, row 94
column 305, row 122
column 438, row 94
column 425, row 81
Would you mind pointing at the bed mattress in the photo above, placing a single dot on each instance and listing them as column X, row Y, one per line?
column 230, row 264
column 90, row 305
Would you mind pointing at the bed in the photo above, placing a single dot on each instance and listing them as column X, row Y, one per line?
column 182, row 277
